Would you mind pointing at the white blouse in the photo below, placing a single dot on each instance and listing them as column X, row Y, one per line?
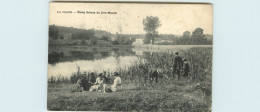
column 117, row 82
column 99, row 81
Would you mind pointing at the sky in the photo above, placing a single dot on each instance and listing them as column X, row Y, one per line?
column 175, row 18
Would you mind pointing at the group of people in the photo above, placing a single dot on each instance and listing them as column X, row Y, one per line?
column 101, row 83
column 180, row 64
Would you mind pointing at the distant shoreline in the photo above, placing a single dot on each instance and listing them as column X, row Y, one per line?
column 135, row 46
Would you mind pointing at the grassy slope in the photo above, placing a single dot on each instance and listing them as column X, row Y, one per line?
column 164, row 96
column 184, row 95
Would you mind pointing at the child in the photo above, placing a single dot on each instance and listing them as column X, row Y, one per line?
column 186, row 68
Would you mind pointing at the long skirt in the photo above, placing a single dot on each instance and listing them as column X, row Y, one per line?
column 95, row 88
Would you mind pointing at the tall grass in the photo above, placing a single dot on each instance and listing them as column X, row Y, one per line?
column 200, row 60
column 191, row 94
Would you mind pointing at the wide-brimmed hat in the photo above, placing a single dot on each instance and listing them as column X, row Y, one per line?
column 100, row 74
column 116, row 74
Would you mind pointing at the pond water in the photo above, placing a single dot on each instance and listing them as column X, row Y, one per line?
column 65, row 61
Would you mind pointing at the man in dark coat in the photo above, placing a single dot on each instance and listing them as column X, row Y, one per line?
column 83, row 84
column 177, row 65
column 92, row 78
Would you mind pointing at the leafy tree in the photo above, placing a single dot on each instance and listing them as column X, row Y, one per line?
column 94, row 41
column 84, row 35
column 197, row 33
column 83, row 42
column 129, row 42
column 148, row 38
column 116, row 42
column 105, row 38
column 53, row 32
column 197, row 38
column 62, row 36
column 121, row 40
column 151, row 24
column 73, row 36
column 186, row 34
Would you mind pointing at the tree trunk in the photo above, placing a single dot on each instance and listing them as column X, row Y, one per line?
column 78, row 70
column 153, row 40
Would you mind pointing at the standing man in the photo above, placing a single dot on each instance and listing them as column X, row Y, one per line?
column 177, row 65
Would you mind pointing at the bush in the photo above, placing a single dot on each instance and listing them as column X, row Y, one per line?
column 94, row 41
column 115, row 42
column 83, row 42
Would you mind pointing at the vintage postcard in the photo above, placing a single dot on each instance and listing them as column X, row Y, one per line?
column 130, row 57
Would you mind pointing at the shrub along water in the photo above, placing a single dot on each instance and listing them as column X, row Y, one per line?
column 192, row 93
column 200, row 60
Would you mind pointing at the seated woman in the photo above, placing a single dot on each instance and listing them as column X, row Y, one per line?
column 116, row 84
column 98, row 84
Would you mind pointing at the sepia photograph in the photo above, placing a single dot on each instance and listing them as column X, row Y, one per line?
column 154, row 57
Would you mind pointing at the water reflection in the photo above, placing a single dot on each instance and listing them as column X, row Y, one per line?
column 54, row 57
column 107, row 64
column 65, row 62
column 57, row 56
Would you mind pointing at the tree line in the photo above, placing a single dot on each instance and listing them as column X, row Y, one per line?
column 152, row 23
column 54, row 33
column 196, row 38
column 88, row 37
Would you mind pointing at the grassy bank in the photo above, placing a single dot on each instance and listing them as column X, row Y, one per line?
column 192, row 93
column 174, row 96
